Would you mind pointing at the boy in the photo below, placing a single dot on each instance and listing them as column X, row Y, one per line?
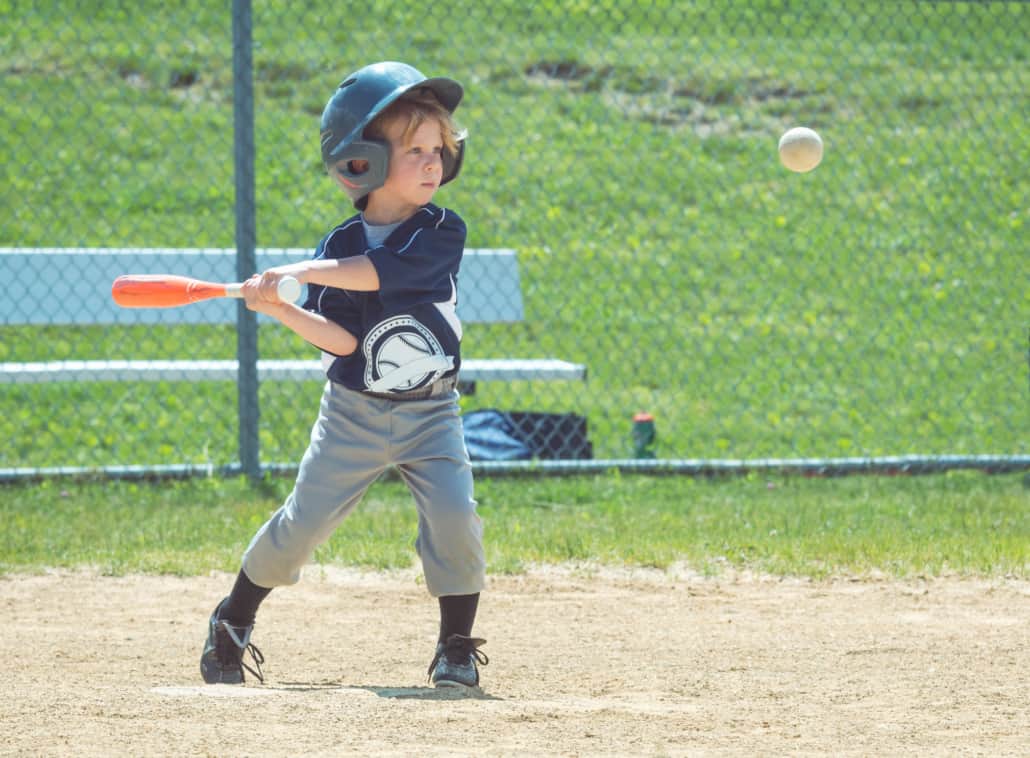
column 381, row 307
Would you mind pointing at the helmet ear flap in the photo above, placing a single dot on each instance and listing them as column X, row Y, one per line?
column 374, row 153
column 452, row 161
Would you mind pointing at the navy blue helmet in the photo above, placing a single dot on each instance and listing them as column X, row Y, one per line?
column 357, row 101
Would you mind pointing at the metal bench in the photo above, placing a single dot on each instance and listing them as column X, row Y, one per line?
column 72, row 286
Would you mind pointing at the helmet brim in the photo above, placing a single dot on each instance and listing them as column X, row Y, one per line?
column 447, row 91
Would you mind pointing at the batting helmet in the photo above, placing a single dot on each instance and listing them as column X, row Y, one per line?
column 357, row 101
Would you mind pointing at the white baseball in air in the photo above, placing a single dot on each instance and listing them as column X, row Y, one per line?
column 801, row 149
column 288, row 289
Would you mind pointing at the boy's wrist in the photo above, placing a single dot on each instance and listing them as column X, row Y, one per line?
column 298, row 271
column 275, row 310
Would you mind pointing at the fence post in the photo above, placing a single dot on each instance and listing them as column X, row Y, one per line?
column 246, row 264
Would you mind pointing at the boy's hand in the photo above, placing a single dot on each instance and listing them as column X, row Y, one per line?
column 261, row 293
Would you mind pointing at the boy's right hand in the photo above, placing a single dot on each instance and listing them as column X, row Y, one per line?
column 261, row 293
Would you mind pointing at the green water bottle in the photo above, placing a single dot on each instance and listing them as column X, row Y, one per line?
column 643, row 435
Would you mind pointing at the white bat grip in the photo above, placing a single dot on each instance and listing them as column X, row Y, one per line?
column 288, row 291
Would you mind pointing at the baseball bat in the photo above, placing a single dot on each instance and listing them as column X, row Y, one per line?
column 169, row 291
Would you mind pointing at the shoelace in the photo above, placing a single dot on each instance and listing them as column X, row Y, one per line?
column 458, row 649
column 230, row 649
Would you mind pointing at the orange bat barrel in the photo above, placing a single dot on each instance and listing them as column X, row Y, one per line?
column 163, row 290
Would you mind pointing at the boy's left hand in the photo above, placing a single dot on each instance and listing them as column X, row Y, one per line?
column 261, row 293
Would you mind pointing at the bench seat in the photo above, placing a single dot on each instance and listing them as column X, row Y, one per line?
column 472, row 370
column 76, row 282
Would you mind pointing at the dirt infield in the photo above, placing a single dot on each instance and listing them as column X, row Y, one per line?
column 583, row 663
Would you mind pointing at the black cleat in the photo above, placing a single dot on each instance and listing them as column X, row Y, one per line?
column 454, row 664
column 222, row 659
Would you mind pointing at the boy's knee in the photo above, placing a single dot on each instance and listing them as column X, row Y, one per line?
column 457, row 515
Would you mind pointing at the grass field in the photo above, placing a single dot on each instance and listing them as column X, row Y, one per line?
column 876, row 306
column 965, row 524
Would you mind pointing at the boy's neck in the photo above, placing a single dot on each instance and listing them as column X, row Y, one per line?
column 384, row 213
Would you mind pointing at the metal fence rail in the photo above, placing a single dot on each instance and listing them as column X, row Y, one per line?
column 868, row 316
column 908, row 465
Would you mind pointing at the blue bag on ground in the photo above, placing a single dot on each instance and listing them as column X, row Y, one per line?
column 492, row 435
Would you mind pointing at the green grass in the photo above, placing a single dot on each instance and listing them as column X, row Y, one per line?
column 876, row 306
column 959, row 523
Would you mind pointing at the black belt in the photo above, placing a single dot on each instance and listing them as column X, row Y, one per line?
column 436, row 389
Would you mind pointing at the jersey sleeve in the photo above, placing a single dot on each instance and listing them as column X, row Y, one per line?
column 424, row 268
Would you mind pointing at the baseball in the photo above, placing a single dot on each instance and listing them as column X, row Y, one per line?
column 801, row 149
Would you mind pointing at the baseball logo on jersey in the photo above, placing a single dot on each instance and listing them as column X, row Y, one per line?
column 402, row 354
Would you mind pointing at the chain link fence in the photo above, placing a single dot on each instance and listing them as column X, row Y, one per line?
column 874, row 308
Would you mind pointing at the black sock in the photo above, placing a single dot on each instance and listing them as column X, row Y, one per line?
column 457, row 614
column 241, row 606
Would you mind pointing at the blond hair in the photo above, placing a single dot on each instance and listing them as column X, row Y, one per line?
column 416, row 106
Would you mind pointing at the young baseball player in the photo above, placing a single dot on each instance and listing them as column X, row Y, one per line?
column 381, row 307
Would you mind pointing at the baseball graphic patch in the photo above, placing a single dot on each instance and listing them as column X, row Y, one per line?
column 401, row 354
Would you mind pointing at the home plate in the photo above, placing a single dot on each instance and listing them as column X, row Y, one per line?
column 214, row 690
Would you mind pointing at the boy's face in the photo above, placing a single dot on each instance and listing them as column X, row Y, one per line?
column 416, row 166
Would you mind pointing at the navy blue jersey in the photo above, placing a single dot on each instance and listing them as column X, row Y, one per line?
column 408, row 331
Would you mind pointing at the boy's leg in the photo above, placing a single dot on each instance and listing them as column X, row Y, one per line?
column 436, row 467
column 344, row 458
column 347, row 453
column 240, row 608
column 457, row 615
column 450, row 544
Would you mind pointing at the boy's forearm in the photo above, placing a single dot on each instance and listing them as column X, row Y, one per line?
column 355, row 273
column 316, row 329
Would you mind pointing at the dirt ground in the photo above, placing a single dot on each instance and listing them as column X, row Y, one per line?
column 584, row 662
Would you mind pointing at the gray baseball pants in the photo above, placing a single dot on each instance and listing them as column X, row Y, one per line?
column 354, row 440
